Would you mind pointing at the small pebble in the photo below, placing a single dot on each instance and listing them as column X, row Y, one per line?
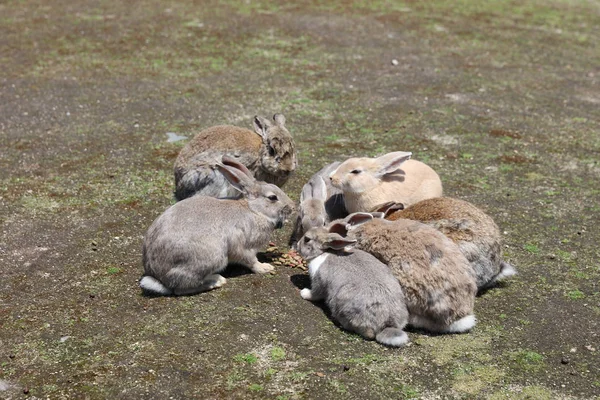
column 564, row 360
column 395, row 62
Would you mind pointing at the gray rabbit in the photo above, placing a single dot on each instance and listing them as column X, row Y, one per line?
column 360, row 291
column 437, row 280
column 320, row 203
column 192, row 241
column 269, row 153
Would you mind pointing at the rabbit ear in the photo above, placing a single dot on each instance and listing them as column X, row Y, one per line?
column 358, row 218
column 261, row 126
column 390, row 162
column 306, row 192
column 237, row 178
column 336, row 242
column 319, row 189
column 338, row 228
column 232, row 162
column 388, row 208
column 279, row 119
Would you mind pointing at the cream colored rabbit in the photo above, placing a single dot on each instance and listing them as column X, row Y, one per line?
column 369, row 182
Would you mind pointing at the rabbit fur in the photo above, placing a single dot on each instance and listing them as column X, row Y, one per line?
column 360, row 291
column 269, row 153
column 320, row 203
column 476, row 234
column 192, row 241
column 369, row 182
column 437, row 280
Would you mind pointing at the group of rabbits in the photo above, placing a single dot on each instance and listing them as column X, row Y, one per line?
column 385, row 249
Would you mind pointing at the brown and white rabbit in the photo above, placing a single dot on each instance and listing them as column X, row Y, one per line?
column 320, row 203
column 369, row 182
column 192, row 241
column 437, row 280
column 360, row 291
column 269, row 153
column 475, row 233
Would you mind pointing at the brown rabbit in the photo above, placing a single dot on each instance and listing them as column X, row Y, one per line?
column 437, row 280
column 475, row 233
column 369, row 182
column 269, row 153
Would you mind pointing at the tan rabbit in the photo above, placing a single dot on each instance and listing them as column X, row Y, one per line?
column 437, row 280
column 475, row 233
column 269, row 153
column 369, row 182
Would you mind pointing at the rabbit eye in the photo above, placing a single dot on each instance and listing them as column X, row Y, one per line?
column 356, row 171
column 306, row 239
column 271, row 151
column 273, row 197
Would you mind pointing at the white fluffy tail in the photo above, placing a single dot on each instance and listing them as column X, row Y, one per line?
column 465, row 324
column 394, row 337
column 506, row 270
column 154, row 286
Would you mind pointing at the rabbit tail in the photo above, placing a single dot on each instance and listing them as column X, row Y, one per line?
column 394, row 337
column 153, row 286
column 462, row 325
column 506, row 270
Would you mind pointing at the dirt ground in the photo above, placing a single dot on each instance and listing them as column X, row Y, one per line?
column 501, row 98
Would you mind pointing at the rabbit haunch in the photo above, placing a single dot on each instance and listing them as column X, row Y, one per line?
column 192, row 241
column 268, row 152
column 476, row 234
column 360, row 292
column 437, row 280
column 369, row 182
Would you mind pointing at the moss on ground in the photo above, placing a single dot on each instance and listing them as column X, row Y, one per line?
column 501, row 98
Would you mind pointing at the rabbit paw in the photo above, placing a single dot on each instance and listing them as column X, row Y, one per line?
column 261, row 268
column 306, row 294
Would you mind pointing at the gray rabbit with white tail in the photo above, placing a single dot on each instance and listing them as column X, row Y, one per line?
column 192, row 241
column 360, row 291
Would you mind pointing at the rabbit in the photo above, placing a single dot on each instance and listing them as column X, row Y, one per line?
column 360, row 291
column 476, row 234
column 320, row 203
column 437, row 280
column 269, row 152
column 193, row 240
column 369, row 182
